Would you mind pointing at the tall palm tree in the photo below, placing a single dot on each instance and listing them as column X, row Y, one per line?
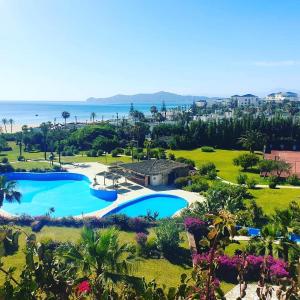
column 8, row 191
column 100, row 253
column 65, row 115
column 4, row 122
column 45, row 127
column 93, row 116
column 11, row 122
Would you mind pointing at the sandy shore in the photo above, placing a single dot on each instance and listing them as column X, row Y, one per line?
column 15, row 127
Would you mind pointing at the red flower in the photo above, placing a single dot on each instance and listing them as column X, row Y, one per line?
column 83, row 287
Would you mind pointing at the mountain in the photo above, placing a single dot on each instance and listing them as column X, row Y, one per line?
column 148, row 98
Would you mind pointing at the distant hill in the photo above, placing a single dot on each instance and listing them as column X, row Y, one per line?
column 148, row 98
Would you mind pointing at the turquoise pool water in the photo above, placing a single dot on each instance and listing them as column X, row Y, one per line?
column 165, row 205
column 68, row 197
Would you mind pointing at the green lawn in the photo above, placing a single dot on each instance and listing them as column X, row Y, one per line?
column 164, row 271
column 269, row 199
column 223, row 159
column 13, row 158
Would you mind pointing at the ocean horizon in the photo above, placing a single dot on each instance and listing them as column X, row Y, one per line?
column 35, row 112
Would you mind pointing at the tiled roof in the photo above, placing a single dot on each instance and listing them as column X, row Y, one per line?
column 154, row 167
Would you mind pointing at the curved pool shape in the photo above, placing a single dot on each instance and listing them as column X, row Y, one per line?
column 68, row 193
column 166, row 205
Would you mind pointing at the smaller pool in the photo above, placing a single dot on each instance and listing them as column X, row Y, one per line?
column 166, row 205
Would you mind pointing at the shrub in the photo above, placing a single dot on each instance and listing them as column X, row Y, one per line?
column 195, row 226
column 181, row 182
column 227, row 267
column 243, row 231
column 127, row 152
column 37, row 226
column 172, row 156
column 21, row 158
column 207, row 149
column 4, row 160
column 137, row 224
column 246, row 161
column 114, row 153
column 206, row 168
column 141, row 238
column 197, row 187
column 293, row 180
column 212, row 174
column 91, row 153
column 167, row 237
column 187, row 161
column 273, row 181
column 241, row 178
column 5, row 168
column 251, row 183
column 100, row 152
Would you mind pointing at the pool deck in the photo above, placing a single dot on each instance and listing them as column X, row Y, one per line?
column 128, row 190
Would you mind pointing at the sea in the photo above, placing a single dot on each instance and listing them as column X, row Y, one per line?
column 35, row 112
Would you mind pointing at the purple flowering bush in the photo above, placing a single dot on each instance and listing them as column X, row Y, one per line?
column 141, row 238
column 227, row 267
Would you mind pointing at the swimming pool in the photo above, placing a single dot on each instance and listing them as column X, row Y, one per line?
column 68, row 193
column 166, row 205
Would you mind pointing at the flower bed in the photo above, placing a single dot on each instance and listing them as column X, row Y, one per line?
column 227, row 267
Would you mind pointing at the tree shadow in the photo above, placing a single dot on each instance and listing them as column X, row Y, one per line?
column 181, row 257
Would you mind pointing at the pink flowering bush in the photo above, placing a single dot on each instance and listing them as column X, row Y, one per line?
column 83, row 288
column 227, row 267
column 196, row 227
column 141, row 238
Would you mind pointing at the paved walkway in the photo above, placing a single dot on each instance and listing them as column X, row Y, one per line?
column 262, row 186
column 250, row 292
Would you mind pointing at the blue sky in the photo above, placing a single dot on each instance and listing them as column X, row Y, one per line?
column 71, row 50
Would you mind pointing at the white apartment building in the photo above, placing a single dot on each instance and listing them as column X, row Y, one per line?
column 245, row 100
column 279, row 97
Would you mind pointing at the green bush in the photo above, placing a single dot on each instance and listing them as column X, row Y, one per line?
column 293, row 180
column 4, row 160
column 180, row 182
column 246, row 161
column 273, row 181
column 172, row 156
column 100, row 152
column 207, row 149
column 243, row 232
column 114, row 153
column 91, row 153
column 251, row 183
column 206, row 168
column 127, row 151
column 212, row 174
column 241, row 178
column 168, row 237
column 199, row 186
column 187, row 161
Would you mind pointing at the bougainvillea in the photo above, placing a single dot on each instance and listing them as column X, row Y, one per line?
column 193, row 225
column 83, row 287
column 227, row 266
column 141, row 238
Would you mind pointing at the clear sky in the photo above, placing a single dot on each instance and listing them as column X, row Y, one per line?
column 74, row 49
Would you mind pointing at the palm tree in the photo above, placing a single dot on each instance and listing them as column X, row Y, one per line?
column 93, row 116
column 65, row 115
column 45, row 127
column 252, row 139
column 8, row 191
column 100, row 253
column 11, row 122
column 4, row 122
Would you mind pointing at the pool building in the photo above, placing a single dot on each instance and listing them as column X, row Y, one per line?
column 155, row 172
